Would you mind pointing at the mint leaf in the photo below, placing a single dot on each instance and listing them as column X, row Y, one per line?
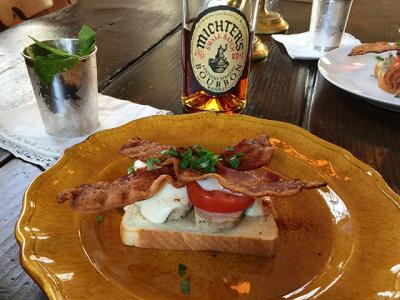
column 52, row 49
column 185, row 286
column 47, row 67
column 181, row 269
column 86, row 40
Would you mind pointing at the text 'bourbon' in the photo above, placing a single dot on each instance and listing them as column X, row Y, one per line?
column 216, row 53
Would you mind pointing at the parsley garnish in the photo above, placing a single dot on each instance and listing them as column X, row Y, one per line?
column 235, row 162
column 185, row 286
column 170, row 152
column 131, row 170
column 379, row 58
column 199, row 158
column 57, row 60
column 181, row 269
column 151, row 161
column 99, row 219
column 186, row 159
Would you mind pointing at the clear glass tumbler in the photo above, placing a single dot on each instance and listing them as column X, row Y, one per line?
column 216, row 53
column 328, row 22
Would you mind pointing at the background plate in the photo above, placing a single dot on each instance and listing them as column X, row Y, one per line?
column 338, row 242
column 355, row 74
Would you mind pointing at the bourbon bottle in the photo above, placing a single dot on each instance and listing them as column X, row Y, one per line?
column 216, row 54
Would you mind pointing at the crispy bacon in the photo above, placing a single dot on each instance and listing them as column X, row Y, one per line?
column 142, row 149
column 378, row 47
column 144, row 184
column 102, row 196
column 253, row 153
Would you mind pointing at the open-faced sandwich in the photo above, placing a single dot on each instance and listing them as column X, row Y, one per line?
column 387, row 70
column 189, row 198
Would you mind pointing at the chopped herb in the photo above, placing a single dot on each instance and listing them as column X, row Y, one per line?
column 131, row 170
column 181, row 269
column 374, row 76
column 235, row 162
column 151, row 161
column 379, row 58
column 230, row 148
column 170, row 152
column 186, row 159
column 57, row 60
column 398, row 43
column 99, row 219
column 185, row 286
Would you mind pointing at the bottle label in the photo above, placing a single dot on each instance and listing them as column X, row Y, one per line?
column 219, row 45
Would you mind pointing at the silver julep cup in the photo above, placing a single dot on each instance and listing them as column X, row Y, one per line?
column 68, row 106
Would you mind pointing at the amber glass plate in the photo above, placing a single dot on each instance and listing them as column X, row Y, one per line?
column 338, row 242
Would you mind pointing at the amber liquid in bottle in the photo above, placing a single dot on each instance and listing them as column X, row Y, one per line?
column 195, row 99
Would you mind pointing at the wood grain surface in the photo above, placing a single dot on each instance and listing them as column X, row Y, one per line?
column 15, row 176
column 139, row 60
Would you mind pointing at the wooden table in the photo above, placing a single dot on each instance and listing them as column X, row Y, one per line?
column 139, row 60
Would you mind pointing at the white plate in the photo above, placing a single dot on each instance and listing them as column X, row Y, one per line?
column 355, row 74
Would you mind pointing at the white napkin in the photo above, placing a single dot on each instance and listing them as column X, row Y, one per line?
column 22, row 131
column 298, row 47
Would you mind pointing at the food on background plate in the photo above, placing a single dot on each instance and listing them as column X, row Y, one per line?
column 387, row 70
column 189, row 198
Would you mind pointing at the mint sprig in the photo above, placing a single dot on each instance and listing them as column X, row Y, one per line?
column 57, row 60
column 86, row 40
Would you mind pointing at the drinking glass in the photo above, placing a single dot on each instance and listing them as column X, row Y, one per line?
column 328, row 22
column 68, row 105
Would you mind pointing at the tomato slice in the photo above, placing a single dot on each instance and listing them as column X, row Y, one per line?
column 216, row 201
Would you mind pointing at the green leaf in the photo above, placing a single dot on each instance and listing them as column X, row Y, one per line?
column 170, row 152
column 99, row 219
column 380, row 58
column 52, row 49
column 398, row 43
column 86, row 40
column 235, row 162
column 47, row 67
column 181, row 269
column 230, row 148
column 131, row 170
column 186, row 159
column 151, row 161
column 185, row 286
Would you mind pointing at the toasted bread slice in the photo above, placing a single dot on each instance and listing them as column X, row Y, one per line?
column 252, row 236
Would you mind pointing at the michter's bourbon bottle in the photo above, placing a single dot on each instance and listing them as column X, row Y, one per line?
column 216, row 52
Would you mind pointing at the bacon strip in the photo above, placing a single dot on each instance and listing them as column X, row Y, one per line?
column 256, row 153
column 126, row 190
column 142, row 149
column 378, row 47
column 129, row 189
